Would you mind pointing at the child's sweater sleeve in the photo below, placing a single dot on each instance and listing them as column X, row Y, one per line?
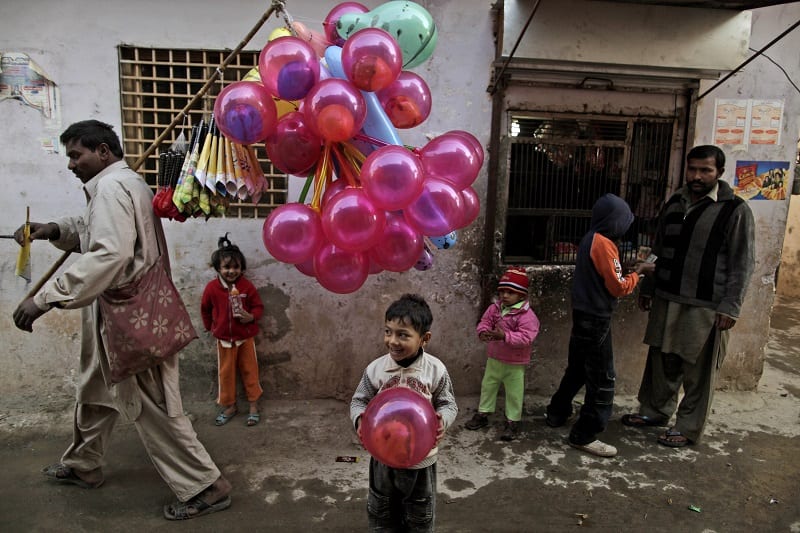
column 207, row 308
column 488, row 320
column 605, row 257
column 365, row 392
column 444, row 400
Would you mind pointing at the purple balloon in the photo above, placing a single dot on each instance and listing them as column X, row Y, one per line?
column 406, row 101
column 392, row 177
column 437, row 211
column 292, row 233
column 399, row 247
column 352, row 221
column 288, row 67
column 451, row 157
column 340, row 271
column 245, row 112
column 329, row 24
column 294, row 147
column 399, row 427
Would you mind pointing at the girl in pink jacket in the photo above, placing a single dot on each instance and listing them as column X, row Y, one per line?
column 509, row 327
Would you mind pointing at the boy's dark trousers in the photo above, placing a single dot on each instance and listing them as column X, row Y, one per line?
column 401, row 500
column 590, row 363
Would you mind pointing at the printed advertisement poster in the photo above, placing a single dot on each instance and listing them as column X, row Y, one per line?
column 731, row 121
column 766, row 117
column 761, row 180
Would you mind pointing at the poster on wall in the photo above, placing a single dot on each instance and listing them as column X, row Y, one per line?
column 766, row 118
column 730, row 121
column 761, row 180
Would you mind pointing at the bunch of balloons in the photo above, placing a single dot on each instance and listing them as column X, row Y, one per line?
column 328, row 107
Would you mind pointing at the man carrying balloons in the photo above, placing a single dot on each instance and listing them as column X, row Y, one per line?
column 400, row 410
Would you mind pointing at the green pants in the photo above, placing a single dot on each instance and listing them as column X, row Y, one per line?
column 512, row 377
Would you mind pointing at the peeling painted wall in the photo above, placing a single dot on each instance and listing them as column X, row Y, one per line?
column 314, row 343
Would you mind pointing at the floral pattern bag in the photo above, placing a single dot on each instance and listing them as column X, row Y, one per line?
column 144, row 323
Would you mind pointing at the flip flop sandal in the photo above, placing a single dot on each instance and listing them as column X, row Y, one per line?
column 639, row 421
column 674, row 439
column 223, row 418
column 253, row 419
column 61, row 473
column 180, row 510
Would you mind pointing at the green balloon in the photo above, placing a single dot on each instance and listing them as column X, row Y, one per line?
column 409, row 23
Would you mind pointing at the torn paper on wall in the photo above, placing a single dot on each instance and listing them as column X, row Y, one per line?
column 22, row 79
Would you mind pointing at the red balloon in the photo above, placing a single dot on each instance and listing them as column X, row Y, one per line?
column 294, row 147
column 371, row 59
column 245, row 112
column 399, row 427
column 329, row 24
column 335, row 109
column 340, row 271
column 406, row 101
column 392, row 177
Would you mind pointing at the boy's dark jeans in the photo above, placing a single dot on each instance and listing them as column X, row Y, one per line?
column 590, row 363
column 401, row 500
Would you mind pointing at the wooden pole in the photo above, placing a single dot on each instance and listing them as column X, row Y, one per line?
column 276, row 5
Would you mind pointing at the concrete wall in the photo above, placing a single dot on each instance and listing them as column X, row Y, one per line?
column 315, row 343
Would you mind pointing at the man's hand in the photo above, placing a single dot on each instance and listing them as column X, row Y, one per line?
column 645, row 302
column 723, row 322
column 645, row 268
column 26, row 314
column 39, row 231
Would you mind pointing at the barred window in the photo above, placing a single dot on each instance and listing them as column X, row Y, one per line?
column 559, row 164
column 156, row 84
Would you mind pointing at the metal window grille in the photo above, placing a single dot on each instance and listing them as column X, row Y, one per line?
column 157, row 83
column 560, row 164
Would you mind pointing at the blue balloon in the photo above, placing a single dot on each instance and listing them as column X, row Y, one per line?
column 445, row 241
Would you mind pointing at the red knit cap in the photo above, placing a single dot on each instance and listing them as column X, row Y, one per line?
column 514, row 279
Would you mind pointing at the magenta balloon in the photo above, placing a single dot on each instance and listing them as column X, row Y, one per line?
column 335, row 109
column 340, row 271
column 352, row 221
column 245, row 112
column 399, row 247
column 406, row 101
column 437, row 211
column 392, row 177
column 307, row 267
column 329, row 24
column 399, row 427
column 336, row 186
column 470, row 207
column 292, row 233
column 289, row 67
column 451, row 157
column 374, row 267
column 371, row 59
column 476, row 144
column 294, row 147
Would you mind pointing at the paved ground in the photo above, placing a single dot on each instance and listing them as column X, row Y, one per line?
column 745, row 476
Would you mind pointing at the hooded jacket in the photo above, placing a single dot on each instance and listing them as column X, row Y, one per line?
column 598, row 281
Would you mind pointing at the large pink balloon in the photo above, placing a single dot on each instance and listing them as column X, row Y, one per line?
column 437, row 211
column 352, row 221
column 340, row 271
column 406, row 101
column 451, row 157
column 294, row 147
column 289, row 68
column 371, row 59
column 399, row 247
column 329, row 24
column 392, row 177
column 470, row 207
column 399, row 426
column 335, row 109
column 292, row 233
column 245, row 112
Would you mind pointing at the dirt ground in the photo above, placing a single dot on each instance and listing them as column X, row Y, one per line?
column 745, row 476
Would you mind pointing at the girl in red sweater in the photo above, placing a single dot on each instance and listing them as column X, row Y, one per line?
column 231, row 308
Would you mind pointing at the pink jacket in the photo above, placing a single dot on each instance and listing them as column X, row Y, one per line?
column 521, row 327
